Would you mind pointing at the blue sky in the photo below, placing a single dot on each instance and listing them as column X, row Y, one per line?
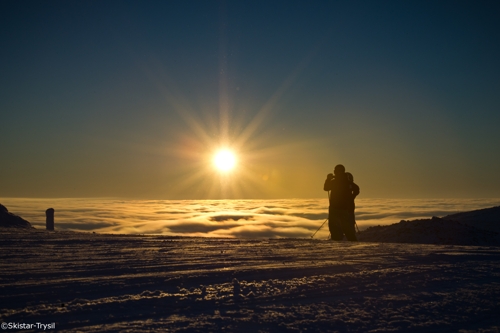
column 131, row 98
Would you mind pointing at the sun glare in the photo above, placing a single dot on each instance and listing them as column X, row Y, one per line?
column 224, row 160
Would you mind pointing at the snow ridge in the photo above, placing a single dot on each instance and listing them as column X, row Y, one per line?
column 9, row 220
column 430, row 231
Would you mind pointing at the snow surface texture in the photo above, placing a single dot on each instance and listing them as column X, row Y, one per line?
column 97, row 282
column 478, row 227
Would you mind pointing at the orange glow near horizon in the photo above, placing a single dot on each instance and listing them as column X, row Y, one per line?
column 226, row 154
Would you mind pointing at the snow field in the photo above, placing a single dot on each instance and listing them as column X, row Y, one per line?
column 96, row 282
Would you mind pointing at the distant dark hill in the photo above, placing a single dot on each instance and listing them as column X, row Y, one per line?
column 430, row 231
column 487, row 219
column 9, row 220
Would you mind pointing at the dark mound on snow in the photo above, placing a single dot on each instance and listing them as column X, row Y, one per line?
column 9, row 220
column 487, row 219
column 431, row 231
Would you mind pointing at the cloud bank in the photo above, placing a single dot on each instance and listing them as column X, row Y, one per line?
column 226, row 218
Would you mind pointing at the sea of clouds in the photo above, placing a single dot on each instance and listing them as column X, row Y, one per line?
column 226, row 218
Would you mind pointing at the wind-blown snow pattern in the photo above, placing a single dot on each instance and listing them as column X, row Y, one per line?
column 89, row 282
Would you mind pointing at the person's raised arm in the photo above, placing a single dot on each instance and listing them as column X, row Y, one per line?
column 328, row 182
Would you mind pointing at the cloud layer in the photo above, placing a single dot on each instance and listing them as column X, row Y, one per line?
column 226, row 218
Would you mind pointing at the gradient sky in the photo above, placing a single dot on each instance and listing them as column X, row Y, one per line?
column 131, row 98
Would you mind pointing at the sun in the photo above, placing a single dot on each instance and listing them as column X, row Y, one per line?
column 224, row 160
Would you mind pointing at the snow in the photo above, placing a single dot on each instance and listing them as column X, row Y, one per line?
column 102, row 282
column 430, row 231
column 488, row 218
column 477, row 227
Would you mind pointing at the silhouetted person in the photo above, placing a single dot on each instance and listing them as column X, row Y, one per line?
column 340, row 217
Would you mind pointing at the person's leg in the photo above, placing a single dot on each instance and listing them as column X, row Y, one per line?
column 334, row 224
column 347, row 223
column 350, row 233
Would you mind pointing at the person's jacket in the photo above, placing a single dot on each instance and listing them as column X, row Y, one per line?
column 342, row 192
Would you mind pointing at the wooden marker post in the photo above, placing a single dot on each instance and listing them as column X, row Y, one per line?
column 49, row 222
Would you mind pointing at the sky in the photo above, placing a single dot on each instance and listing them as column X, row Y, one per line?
column 131, row 99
